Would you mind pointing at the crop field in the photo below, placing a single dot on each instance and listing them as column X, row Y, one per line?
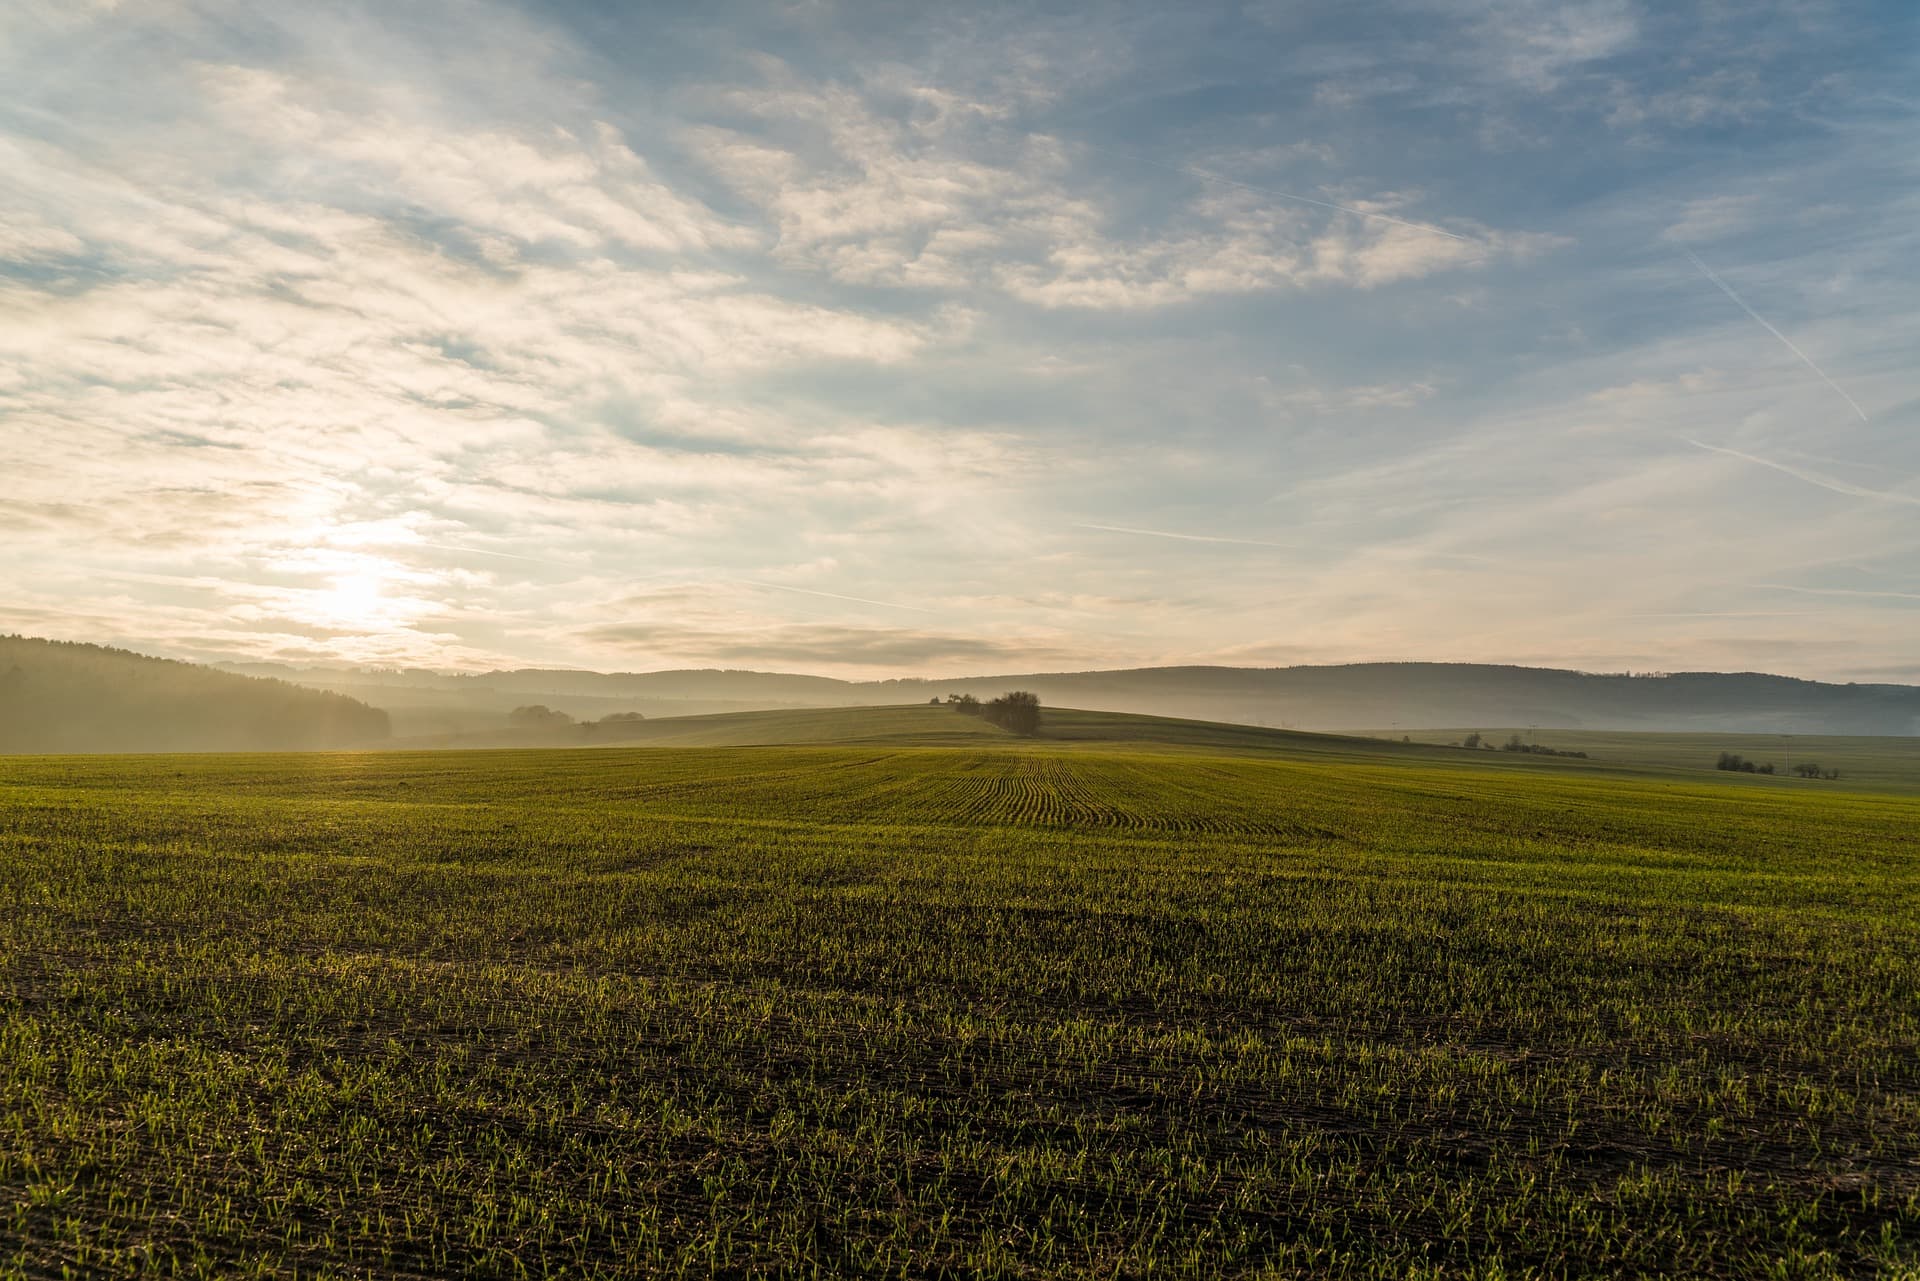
column 981, row 1009
column 1875, row 763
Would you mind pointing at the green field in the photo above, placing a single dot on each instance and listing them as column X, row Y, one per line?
column 1875, row 763
column 1138, row 1000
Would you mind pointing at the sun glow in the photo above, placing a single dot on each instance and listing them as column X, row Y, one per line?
column 355, row 600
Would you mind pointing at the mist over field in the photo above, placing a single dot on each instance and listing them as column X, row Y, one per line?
column 1346, row 697
column 59, row 697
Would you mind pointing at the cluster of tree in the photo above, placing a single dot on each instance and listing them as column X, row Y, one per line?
column 538, row 716
column 1740, row 764
column 1017, row 712
column 58, row 696
column 1516, row 744
column 542, row 719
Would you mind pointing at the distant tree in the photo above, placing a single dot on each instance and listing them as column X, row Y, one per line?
column 965, row 703
column 1808, row 770
column 1017, row 711
column 934, row 701
column 1471, row 740
column 616, row 718
column 537, row 716
column 1515, row 744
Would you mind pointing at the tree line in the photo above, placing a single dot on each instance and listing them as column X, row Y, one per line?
column 1017, row 712
column 1740, row 764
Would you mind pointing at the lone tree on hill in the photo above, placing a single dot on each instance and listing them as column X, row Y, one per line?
column 1018, row 711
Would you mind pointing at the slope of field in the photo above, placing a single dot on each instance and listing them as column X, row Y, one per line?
column 60, row 697
column 1872, row 763
column 922, row 725
column 1885, row 762
column 976, row 1010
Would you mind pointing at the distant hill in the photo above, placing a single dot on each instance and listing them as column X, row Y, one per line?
column 1360, row 696
column 921, row 725
column 1380, row 696
column 57, row 696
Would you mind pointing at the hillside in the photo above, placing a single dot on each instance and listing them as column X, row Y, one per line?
column 1408, row 695
column 57, row 696
column 1360, row 696
column 921, row 725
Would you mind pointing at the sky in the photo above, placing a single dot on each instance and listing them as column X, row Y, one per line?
column 854, row 339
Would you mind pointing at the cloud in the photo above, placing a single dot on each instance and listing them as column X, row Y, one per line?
column 587, row 192
column 875, row 198
column 824, row 645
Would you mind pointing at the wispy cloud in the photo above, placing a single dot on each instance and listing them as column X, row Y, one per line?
column 1275, row 194
column 863, row 600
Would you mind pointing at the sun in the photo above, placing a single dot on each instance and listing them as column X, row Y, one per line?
column 354, row 599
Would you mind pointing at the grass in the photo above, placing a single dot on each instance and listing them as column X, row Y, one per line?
column 981, row 1009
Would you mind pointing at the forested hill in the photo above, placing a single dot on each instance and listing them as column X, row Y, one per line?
column 57, row 696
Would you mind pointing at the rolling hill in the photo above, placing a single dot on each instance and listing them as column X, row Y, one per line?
column 1874, row 763
column 57, row 696
column 1360, row 696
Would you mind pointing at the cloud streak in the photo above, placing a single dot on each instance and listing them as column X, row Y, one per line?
column 862, row 600
column 1275, row 194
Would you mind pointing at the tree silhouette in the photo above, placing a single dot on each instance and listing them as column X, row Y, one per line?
column 1017, row 711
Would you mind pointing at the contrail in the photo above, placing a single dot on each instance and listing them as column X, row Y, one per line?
column 1204, row 176
column 807, row 591
column 1821, row 479
column 1838, row 591
column 1724, row 613
column 1185, row 538
column 481, row 551
column 1727, row 289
